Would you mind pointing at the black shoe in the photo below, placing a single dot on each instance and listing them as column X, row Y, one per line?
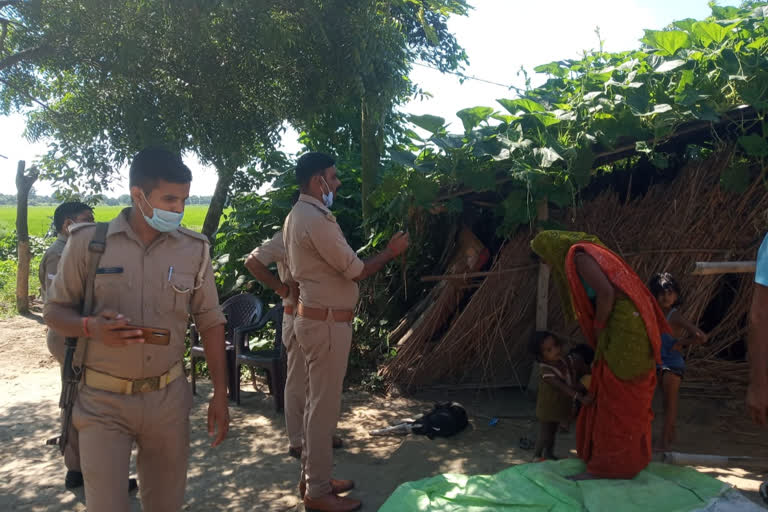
column 73, row 480
column 133, row 485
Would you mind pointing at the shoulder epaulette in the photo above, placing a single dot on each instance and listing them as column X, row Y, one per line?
column 193, row 234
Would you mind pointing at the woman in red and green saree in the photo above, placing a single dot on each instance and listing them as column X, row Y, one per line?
column 623, row 323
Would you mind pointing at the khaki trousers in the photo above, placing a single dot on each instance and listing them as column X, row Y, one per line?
column 325, row 345
column 109, row 424
column 295, row 385
column 72, row 451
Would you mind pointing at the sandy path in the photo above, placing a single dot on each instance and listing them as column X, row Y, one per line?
column 252, row 471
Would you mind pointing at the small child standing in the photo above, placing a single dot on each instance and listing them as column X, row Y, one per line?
column 559, row 391
column 672, row 368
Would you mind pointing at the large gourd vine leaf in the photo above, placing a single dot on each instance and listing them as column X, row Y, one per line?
column 754, row 145
column 430, row 123
column 472, row 117
column 667, row 42
column 709, row 32
column 515, row 106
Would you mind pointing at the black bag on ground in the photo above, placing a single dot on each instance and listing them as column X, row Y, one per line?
column 444, row 420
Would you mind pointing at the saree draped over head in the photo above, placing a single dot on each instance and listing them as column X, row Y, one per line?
column 613, row 434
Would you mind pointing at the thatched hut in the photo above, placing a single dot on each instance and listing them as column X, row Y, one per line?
column 473, row 328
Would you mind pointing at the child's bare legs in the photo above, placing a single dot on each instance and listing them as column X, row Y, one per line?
column 545, row 444
column 671, row 389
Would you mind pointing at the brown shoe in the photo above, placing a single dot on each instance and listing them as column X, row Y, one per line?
column 337, row 486
column 331, row 503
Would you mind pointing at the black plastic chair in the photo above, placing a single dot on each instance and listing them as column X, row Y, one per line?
column 241, row 310
column 272, row 360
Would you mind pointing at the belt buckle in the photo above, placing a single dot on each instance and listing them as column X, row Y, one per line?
column 146, row 385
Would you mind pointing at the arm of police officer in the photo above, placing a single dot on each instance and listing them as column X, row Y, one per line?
column 396, row 246
column 67, row 291
column 330, row 243
column 210, row 321
column 258, row 260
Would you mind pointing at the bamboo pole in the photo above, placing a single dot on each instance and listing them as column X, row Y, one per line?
column 707, row 268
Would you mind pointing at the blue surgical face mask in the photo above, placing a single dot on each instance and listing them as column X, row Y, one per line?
column 162, row 220
column 327, row 198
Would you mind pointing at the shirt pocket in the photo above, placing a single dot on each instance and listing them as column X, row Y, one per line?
column 179, row 291
column 106, row 291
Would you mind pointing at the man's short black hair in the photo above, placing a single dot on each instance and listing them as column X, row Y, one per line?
column 662, row 282
column 153, row 164
column 66, row 211
column 311, row 164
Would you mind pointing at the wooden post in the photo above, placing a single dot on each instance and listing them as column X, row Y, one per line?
column 542, row 297
column 24, row 184
column 706, row 268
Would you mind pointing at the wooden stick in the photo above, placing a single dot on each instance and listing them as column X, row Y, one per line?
column 469, row 275
column 706, row 268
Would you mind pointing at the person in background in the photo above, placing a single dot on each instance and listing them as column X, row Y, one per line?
column 273, row 251
column 559, row 391
column 672, row 368
column 65, row 216
column 623, row 323
column 327, row 270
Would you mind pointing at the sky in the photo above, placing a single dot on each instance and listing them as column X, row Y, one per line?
column 499, row 36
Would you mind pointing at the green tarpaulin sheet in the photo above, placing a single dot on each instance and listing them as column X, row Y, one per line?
column 543, row 487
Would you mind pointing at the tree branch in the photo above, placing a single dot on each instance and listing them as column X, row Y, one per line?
column 3, row 34
column 28, row 54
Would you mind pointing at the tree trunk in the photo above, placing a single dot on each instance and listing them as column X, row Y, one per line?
column 23, row 186
column 369, row 155
column 219, row 199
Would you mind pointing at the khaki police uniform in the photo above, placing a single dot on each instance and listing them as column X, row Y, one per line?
column 137, row 393
column 325, row 266
column 270, row 252
column 48, row 268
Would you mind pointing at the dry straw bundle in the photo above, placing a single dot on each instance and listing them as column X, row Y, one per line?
column 668, row 229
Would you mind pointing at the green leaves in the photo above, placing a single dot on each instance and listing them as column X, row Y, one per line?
column 754, row 145
column 524, row 104
column 709, row 32
column 546, row 156
column 670, row 65
column 472, row 117
column 736, row 178
column 430, row 123
column 667, row 42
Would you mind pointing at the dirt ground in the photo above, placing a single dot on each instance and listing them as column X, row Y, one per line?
column 252, row 471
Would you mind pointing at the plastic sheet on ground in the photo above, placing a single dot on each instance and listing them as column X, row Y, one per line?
column 544, row 487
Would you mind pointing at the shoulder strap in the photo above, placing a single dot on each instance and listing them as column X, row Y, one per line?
column 96, row 248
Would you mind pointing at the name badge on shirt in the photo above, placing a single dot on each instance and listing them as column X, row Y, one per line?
column 109, row 270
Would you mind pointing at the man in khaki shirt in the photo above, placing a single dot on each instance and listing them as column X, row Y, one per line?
column 327, row 270
column 273, row 251
column 153, row 274
column 64, row 217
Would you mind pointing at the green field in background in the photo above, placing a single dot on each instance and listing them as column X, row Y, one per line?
column 40, row 217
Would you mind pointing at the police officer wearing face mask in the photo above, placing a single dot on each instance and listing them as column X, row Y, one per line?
column 65, row 216
column 153, row 274
column 327, row 270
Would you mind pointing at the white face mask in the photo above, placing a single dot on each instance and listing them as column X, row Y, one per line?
column 161, row 220
column 327, row 198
